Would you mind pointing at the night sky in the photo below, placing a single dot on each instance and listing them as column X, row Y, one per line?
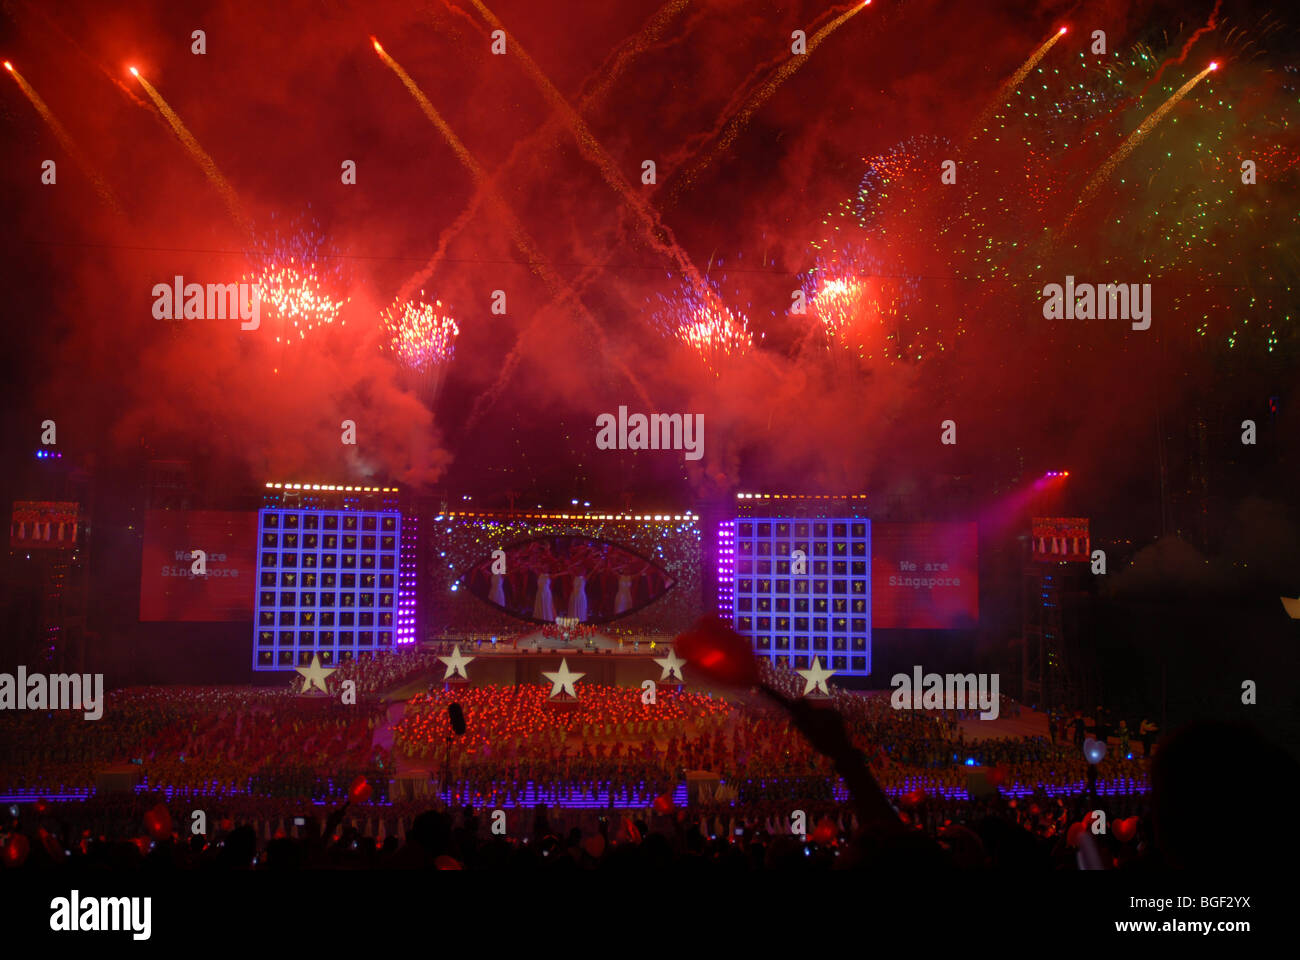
column 771, row 176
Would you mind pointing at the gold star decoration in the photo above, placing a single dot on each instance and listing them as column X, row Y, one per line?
column 315, row 675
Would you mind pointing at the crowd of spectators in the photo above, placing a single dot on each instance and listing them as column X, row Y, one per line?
column 256, row 760
column 196, row 740
column 1161, row 829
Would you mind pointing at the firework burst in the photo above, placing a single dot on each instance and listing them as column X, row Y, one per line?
column 421, row 334
column 857, row 307
column 1220, row 250
column 698, row 318
column 297, row 282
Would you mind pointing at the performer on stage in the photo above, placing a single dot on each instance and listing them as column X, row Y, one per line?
column 623, row 600
column 544, row 605
column 578, row 599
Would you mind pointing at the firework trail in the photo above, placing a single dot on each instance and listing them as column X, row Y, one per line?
column 114, row 76
column 635, row 46
column 1016, row 80
column 1211, row 24
column 738, row 98
column 1136, row 137
column 730, row 130
column 530, row 252
column 528, row 145
column 66, row 141
column 561, row 292
column 205, row 162
column 658, row 233
column 445, row 238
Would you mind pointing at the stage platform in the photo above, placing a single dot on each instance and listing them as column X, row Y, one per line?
column 508, row 667
column 538, row 642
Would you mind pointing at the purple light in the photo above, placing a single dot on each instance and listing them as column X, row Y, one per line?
column 726, row 569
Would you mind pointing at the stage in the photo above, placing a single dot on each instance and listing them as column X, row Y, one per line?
column 505, row 665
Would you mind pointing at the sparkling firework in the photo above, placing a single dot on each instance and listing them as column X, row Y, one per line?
column 421, row 334
column 1226, row 258
column 698, row 318
column 297, row 283
column 859, row 309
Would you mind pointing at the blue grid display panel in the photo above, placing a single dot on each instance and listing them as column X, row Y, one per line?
column 327, row 584
column 822, row 610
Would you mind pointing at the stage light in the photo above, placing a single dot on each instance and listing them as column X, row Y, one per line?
column 1214, row 65
column 9, row 66
column 1063, row 30
column 135, row 72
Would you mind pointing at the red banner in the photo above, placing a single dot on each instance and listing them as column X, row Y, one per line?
column 1061, row 538
column 45, row 525
column 169, row 588
column 924, row 576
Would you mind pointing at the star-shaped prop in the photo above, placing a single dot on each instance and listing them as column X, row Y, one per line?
column 456, row 664
column 563, row 680
column 672, row 665
column 315, row 675
column 814, row 678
